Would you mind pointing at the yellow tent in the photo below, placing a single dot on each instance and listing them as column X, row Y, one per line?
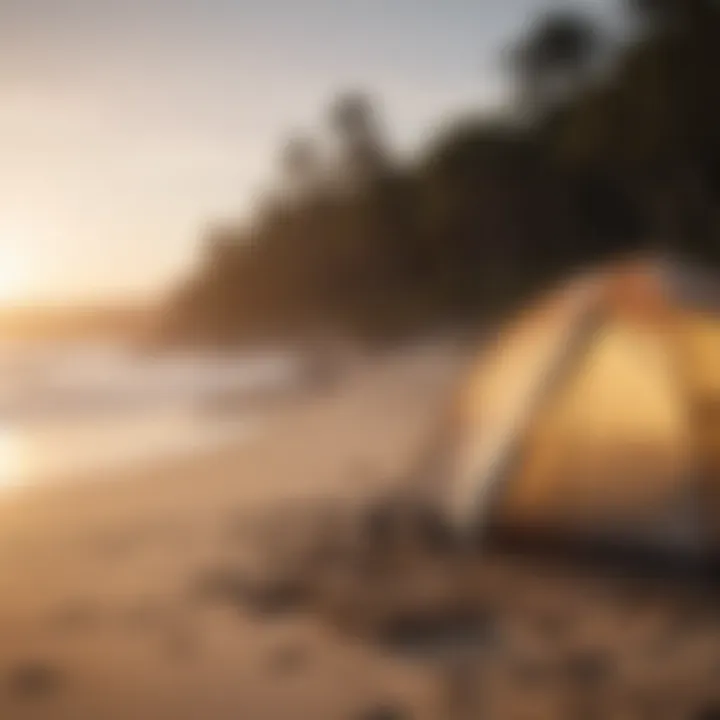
column 597, row 414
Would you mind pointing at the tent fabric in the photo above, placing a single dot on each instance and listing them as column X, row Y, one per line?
column 597, row 413
column 505, row 390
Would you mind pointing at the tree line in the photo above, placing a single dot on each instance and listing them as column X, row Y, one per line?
column 611, row 144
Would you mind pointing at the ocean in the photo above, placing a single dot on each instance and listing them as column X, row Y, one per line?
column 81, row 411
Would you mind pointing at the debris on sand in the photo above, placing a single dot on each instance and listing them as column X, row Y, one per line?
column 390, row 575
column 262, row 594
column 588, row 669
column 439, row 631
column 34, row 679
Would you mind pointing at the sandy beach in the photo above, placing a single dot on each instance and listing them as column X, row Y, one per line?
column 97, row 612
column 130, row 598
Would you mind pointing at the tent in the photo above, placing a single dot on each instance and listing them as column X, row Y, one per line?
column 596, row 414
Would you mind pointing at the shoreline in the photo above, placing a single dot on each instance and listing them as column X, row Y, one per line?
column 355, row 438
column 250, row 425
column 101, row 578
column 185, row 434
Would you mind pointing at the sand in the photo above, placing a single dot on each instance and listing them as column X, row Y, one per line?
column 99, row 617
column 235, row 585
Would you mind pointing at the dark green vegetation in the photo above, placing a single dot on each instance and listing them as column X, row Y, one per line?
column 611, row 144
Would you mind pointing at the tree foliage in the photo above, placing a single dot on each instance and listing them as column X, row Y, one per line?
column 489, row 210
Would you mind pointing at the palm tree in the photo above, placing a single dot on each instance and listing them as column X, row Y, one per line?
column 664, row 13
column 353, row 118
column 301, row 165
column 555, row 57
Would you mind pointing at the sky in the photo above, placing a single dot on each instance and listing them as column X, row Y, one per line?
column 126, row 126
